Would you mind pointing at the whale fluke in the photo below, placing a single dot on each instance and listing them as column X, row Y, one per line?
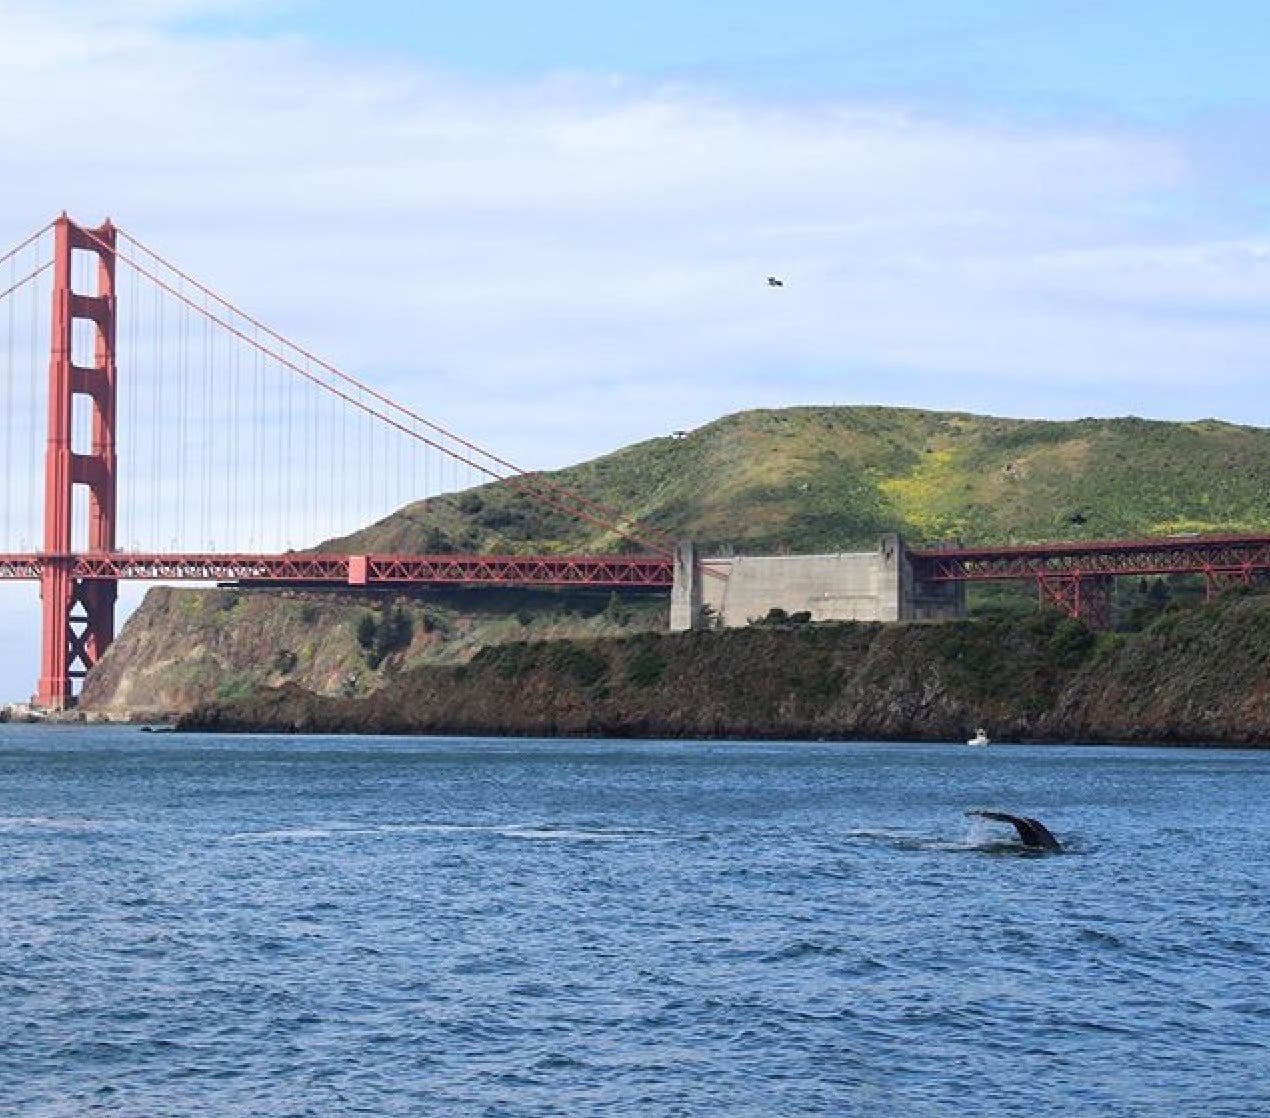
column 1034, row 833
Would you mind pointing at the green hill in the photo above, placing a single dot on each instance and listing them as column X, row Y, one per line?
column 834, row 478
column 802, row 479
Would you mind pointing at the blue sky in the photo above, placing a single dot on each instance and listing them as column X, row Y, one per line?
column 548, row 225
column 1001, row 205
column 1149, row 60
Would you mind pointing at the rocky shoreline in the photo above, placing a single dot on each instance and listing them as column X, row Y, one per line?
column 1198, row 675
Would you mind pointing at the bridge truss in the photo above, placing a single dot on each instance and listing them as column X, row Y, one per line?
column 357, row 571
column 1078, row 577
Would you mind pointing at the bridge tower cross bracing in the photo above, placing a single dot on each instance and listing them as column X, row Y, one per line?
column 78, row 613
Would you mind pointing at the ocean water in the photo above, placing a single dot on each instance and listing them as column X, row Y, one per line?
column 274, row 926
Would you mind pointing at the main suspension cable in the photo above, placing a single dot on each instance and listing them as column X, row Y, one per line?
column 598, row 510
column 518, row 480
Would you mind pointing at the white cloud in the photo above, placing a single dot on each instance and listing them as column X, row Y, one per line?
column 529, row 239
column 558, row 267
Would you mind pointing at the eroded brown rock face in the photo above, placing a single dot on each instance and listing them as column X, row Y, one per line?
column 1200, row 675
column 186, row 647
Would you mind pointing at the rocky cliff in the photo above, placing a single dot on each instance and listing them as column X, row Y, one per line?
column 1197, row 674
column 185, row 647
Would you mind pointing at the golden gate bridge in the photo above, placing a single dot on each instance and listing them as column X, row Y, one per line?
column 173, row 436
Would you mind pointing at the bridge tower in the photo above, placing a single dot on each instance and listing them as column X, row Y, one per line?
column 78, row 614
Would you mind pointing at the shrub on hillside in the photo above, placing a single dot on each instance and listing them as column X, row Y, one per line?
column 646, row 666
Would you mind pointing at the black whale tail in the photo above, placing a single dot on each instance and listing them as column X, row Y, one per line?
column 1034, row 833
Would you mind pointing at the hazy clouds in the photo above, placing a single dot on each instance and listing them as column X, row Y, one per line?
column 512, row 256
column 559, row 266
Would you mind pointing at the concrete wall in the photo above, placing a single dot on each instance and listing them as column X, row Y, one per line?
column 845, row 586
column 685, row 595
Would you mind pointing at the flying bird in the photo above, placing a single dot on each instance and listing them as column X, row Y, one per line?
column 775, row 281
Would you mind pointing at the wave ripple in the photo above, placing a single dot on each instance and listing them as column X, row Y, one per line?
column 293, row 926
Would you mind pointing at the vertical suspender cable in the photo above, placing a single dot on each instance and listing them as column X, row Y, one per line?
column 306, row 480
column 198, row 435
column 341, row 414
column 129, row 442
column 322, row 465
column 8, row 408
column 189, row 435
column 359, row 464
column 179, row 506
column 257, row 458
column 34, row 488
column 277, row 513
column 161, row 461
column 224, row 404
column 152, row 492
column 290, row 463
column 303, row 491
column 230, row 428
column 315, row 529
column 315, row 524
column 321, row 491
column 205, row 438
column 213, row 435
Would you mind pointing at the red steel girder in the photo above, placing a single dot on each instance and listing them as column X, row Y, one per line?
column 1085, row 597
column 19, row 566
column 1219, row 559
column 524, row 570
column 215, row 568
column 1215, row 581
column 600, row 571
column 1215, row 555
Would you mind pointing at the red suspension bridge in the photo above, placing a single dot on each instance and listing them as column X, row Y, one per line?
column 184, row 439
column 240, row 447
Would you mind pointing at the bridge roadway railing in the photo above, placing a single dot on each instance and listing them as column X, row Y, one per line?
column 1217, row 557
column 1220, row 559
column 599, row 571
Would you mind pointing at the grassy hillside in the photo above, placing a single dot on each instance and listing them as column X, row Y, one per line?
column 828, row 478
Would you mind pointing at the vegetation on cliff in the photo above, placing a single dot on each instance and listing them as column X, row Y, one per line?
column 834, row 478
column 1195, row 673
column 799, row 479
column 184, row 647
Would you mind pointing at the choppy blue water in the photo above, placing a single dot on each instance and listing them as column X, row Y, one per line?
column 297, row 926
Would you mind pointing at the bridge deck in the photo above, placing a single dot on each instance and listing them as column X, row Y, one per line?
column 601, row 571
column 1231, row 555
column 1227, row 554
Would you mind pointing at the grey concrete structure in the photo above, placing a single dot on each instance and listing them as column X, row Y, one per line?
column 685, row 595
column 845, row 586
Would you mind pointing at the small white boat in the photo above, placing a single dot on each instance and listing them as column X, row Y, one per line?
column 980, row 738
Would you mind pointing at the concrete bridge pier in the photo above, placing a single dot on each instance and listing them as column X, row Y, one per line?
column 685, row 594
column 843, row 586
